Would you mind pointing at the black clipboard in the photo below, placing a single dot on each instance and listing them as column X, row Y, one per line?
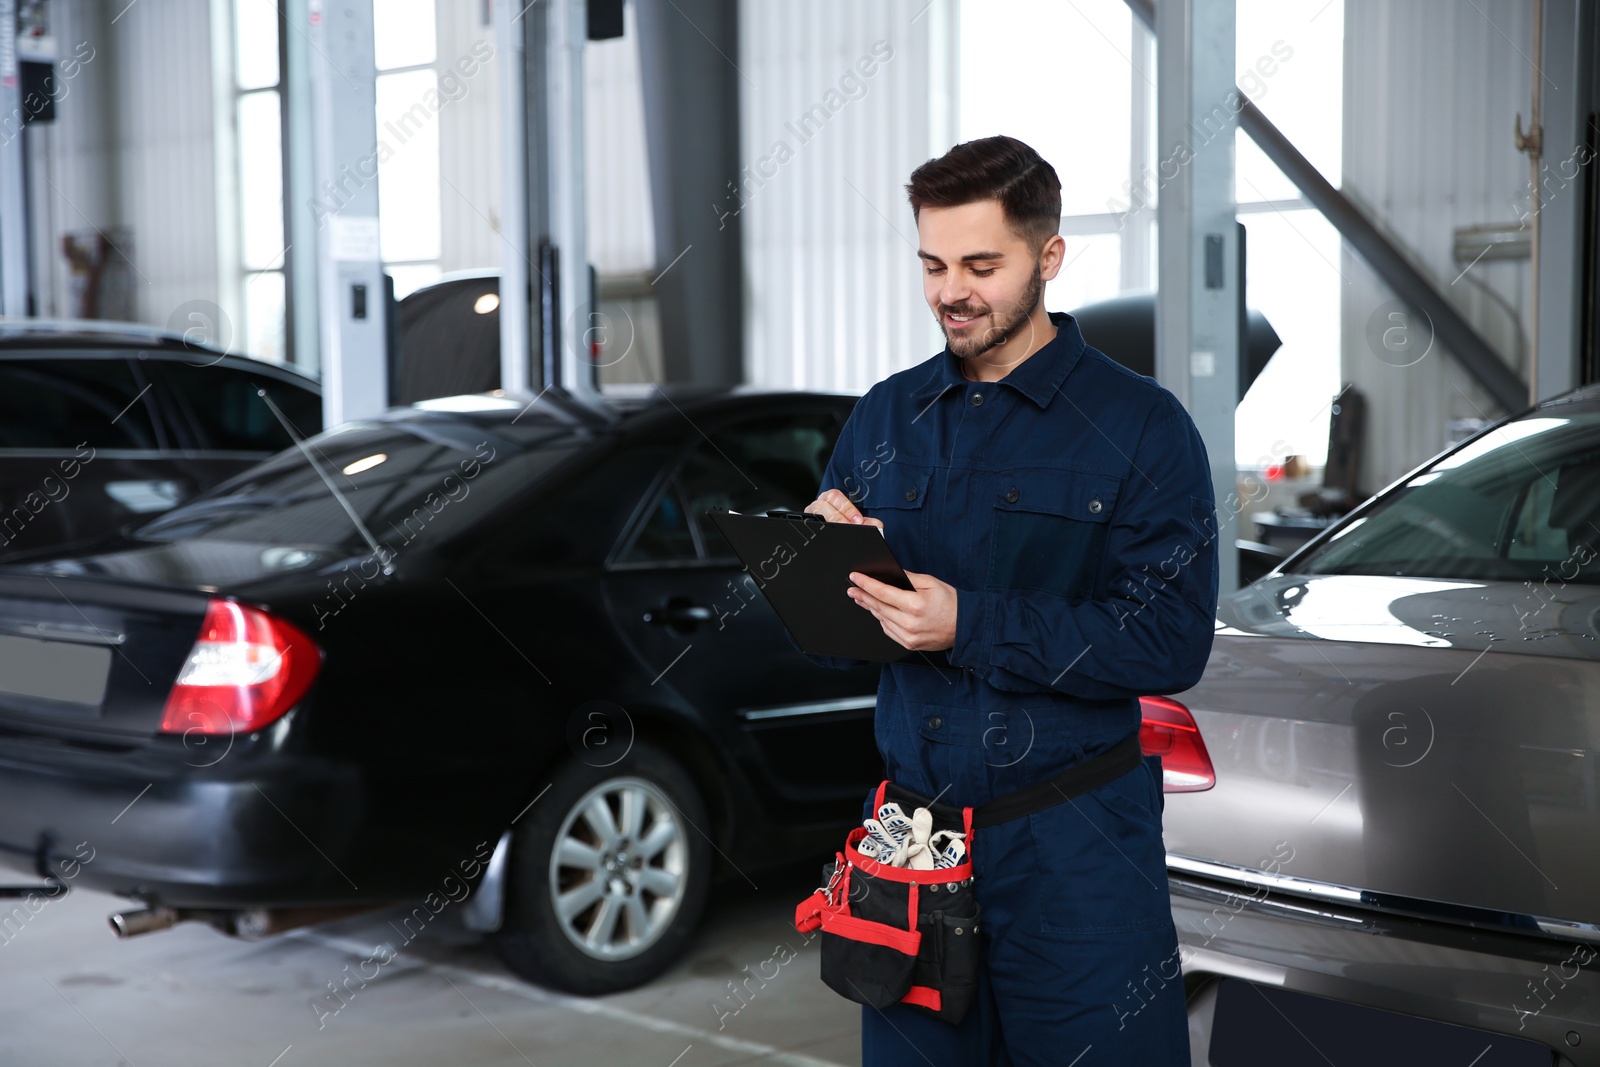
column 802, row 564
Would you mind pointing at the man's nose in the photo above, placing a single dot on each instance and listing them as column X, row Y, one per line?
column 954, row 292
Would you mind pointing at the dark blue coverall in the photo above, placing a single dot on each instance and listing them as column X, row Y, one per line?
column 1070, row 505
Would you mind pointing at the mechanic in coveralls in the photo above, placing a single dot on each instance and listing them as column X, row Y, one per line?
column 1054, row 512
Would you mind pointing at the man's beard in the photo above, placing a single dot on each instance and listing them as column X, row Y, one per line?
column 1016, row 316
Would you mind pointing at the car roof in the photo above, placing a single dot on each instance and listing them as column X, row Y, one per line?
column 68, row 335
column 622, row 407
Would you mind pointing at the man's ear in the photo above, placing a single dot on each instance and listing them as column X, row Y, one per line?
column 1051, row 255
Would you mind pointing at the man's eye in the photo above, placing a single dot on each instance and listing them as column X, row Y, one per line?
column 935, row 270
column 984, row 273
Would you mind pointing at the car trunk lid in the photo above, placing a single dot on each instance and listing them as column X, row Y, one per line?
column 90, row 659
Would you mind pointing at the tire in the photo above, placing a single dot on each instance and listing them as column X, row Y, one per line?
column 574, row 923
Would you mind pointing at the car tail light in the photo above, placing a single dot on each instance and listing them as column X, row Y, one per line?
column 1169, row 731
column 246, row 670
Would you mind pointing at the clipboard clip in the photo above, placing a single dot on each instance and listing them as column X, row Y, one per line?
column 778, row 513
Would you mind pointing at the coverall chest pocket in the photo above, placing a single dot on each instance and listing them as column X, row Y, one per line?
column 1049, row 530
column 899, row 496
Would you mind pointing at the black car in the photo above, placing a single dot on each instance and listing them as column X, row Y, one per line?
column 101, row 425
column 479, row 645
column 342, row 676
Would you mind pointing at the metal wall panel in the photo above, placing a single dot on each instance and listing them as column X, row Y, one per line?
column 621, row 235
column 1431, row 91
column 620, row 238
column 469, row 142
column 133, row 146
column 833, row 286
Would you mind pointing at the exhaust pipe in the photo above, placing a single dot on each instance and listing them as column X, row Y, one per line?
column 127, row 924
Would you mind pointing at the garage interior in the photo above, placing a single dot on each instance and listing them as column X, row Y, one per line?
column 1348, row 235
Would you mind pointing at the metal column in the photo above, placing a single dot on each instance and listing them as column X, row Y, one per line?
column 521, row 201
column 1197, row 318
column 1568, row 62
column 573, row 308
column 691, row 109
column 300, row 217
column 13, row 201
column 546, row 307
column 339, row 67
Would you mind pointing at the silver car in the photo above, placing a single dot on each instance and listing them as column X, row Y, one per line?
column 1399, row 858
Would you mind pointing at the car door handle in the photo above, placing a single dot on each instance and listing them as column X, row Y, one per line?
column 678, row 613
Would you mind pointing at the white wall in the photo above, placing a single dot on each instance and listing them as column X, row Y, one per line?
column 620, row 237
column 469, row 145
column 833, row 296
column 1431, row 91
column 133, row 146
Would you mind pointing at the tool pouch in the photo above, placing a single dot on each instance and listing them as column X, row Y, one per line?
column 896, row 935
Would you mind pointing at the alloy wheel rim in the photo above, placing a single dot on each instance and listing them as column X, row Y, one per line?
column 619, row 869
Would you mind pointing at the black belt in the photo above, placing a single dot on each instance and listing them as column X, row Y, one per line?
column 1080, row 778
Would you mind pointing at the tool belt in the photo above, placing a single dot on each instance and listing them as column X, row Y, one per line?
column 894, row 935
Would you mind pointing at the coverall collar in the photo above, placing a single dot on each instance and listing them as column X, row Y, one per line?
column 1038, row 377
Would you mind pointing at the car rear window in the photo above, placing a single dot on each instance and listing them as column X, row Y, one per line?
column 1519, row 503
column 62, row 403
column 222, row 406
column 401, row 481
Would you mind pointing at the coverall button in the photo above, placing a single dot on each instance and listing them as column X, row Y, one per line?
column 935, row 722
column 1095, row 506
column 911, row 494
column 977, row 399
column 1011, row 497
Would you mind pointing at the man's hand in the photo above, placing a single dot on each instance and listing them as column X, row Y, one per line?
column 920, row 619
column 836, row 507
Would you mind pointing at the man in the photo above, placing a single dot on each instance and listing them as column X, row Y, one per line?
column 1054, row 512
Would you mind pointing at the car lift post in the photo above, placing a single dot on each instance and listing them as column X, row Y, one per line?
column 547, row 312
column 13, row 204
column 1198, row 308
column 330, row 48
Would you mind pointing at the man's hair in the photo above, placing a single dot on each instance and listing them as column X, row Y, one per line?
column 993, row 168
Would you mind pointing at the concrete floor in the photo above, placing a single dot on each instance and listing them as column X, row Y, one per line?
column 71, row 994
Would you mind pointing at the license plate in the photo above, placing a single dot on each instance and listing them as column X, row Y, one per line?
column 54, row 670
column 1263, row 1026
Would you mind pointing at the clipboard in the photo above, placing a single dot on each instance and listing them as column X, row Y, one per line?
column 802, row 564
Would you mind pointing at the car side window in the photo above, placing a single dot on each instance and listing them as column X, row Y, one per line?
column 222, row 406
column 755, row 466
column 62, row 403
column 1532, row 536
column 665, row 536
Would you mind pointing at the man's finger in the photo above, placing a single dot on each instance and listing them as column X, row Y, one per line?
column 883, row 591
column 834, row 506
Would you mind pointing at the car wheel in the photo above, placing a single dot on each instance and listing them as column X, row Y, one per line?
column 607, row 876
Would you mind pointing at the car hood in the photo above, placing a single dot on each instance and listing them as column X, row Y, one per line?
column 1422, row 740
column 1550, row 619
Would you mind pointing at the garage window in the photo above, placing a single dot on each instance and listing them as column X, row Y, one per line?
column 258, row 113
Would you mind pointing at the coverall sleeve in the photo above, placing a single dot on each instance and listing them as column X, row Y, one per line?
column 836, row 475
column 1152, row 632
